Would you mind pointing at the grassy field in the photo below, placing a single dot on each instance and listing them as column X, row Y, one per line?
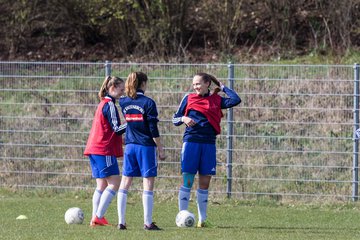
column 231, row 219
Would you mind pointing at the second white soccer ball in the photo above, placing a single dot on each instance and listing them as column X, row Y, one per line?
column 74, row 215
column 185, row 219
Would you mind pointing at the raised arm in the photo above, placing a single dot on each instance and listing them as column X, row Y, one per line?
column 232, row 100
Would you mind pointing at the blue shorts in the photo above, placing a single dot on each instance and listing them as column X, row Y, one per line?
column 103, row 166
column 139, row 161
column 198, row 157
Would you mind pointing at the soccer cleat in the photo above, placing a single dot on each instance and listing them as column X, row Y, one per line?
column 151, row 227
column 99, row 221
column 121, row 226
column 205, row 224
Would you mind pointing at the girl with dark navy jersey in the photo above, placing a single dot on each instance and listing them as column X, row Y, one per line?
column 201, row 113
column 141, row 140
column 104, row 145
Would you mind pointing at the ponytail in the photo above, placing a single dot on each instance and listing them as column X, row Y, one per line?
column 108, row 82
column 133, row 83
column 104, row 88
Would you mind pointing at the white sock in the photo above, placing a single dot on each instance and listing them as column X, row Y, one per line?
column 105, row 201
column 202, row 202
column 95, row 201
column 121, row 205
column 148, row 204
column 184, row 198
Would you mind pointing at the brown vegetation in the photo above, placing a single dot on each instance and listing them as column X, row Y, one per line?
column 175, row 30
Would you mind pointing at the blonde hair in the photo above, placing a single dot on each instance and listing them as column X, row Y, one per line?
column 210, row 78
column 133, row 82
column 108, row 82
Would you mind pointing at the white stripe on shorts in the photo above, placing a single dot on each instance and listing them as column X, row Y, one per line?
column 108, row 161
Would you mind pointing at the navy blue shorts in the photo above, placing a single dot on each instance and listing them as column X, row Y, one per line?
column 198, row 157
column 103, row 166
column 139, row 161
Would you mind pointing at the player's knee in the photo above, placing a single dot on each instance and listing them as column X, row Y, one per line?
column 188, row 179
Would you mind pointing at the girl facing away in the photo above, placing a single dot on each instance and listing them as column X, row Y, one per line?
column 201, row 113
column 141, row 140
column 103, row 146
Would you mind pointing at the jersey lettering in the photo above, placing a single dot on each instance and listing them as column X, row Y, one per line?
column 134, row 117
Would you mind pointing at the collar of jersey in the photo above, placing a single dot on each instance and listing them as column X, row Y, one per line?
column 110, row 97
column 139, row 91
column 206, row 94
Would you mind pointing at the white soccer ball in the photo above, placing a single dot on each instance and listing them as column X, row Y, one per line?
column 74, row 215
column 185, row 219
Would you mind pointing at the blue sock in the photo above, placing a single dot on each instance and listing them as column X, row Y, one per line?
column 202, row 202
column 105, row 201
column 184, row 198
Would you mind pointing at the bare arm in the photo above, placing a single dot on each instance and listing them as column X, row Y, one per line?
column 160, row 148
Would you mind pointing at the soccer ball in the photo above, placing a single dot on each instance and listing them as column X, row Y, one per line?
column 74, row 215
column 185, row 219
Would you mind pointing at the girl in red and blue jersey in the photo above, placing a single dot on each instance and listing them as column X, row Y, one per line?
column 104, row 145
column 141, row 140
column 201, row 113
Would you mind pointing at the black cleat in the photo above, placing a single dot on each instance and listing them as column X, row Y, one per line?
column 121, row 226
column 151, row 227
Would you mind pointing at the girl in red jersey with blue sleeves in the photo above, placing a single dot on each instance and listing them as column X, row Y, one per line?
column 201, row 112
column 141, row 140
column 104, row 145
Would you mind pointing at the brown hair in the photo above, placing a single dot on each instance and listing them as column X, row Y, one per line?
column 108, row 82
column 210, row 78
column 133, row 82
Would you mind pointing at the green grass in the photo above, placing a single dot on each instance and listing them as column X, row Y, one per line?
column 232, row 219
